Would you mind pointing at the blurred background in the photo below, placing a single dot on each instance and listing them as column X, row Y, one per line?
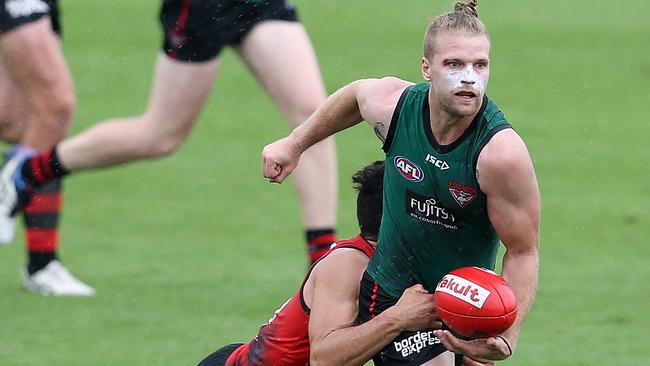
column 188, row 256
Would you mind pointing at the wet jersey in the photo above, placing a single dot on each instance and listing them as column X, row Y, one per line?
column 435, row 216
column 284, row 340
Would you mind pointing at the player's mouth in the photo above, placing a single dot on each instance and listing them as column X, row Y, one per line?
column 466, row 94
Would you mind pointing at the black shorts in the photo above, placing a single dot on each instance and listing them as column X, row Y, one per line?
column 14, row 13
column 197, row 30
column 408, row 348
column 219, row 357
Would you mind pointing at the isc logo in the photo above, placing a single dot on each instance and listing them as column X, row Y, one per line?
column 440, row 164
column 408, row 169
column 463, row 289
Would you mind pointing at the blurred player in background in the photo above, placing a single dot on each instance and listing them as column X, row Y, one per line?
column 458, row 180
column 325, row 308
column 276, row 48
column 37, row 102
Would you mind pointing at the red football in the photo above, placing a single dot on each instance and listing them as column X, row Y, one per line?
column 475, row 302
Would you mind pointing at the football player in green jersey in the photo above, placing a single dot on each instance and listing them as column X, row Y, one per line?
column 458, row 181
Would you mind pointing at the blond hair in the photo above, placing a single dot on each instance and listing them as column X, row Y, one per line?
column 463, row 19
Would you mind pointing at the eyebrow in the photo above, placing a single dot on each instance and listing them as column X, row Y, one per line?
column 459, row 60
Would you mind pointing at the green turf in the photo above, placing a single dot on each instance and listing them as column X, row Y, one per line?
column 195, row 251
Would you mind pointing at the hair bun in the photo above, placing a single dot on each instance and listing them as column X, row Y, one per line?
column 468, row 8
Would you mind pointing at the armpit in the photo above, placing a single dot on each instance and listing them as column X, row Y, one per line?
column 381, row 131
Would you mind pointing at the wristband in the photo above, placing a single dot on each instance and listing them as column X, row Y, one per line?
column 507, row 344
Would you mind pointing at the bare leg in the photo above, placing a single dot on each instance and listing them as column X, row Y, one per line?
column 40, row 109
column 178, row 94
column 12, row 108
column 281, row 56
column 32, row 55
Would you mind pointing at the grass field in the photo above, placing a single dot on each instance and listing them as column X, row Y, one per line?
column 188, row 255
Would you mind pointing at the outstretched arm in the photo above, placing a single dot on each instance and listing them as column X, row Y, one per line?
column 372, row 100
column 334, row 339
column 507, row 177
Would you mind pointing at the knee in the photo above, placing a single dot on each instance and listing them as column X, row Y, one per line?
column 162, row 147
column 55, row 108
column 63, row 108
column 10, row 131
column 44, row 80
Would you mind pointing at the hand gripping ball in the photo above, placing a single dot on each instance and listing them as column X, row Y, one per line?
column 475, row 302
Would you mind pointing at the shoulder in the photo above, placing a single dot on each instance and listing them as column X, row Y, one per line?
column 377, row 98
column 340, row 262
column 382, row 87
column 381, row 92
column 504, row 162
column 337, row 275
column 505, row 150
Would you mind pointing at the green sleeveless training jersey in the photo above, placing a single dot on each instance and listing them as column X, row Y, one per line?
column 435, row 217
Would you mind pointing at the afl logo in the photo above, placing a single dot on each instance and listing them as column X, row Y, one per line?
column 408, row 170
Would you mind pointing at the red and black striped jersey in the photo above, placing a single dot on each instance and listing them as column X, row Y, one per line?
column 284, row 339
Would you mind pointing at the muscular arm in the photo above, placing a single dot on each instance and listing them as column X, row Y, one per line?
column 334, row 339
column 372, row 100
column 507, row 177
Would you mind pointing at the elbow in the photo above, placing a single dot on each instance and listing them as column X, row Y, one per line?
column 319, row 358
column 320, row 362
column 315, row 359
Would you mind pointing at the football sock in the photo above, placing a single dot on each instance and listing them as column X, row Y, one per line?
column 41, row 224
column 42, row 168
column 319, row 242
column 38, row 260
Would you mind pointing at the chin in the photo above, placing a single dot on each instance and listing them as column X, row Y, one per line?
column 461, row 108
column 465, row 110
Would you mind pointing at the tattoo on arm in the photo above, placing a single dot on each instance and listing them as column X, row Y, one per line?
column 380, row 131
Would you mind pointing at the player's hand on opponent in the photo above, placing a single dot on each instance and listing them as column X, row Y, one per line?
column 280, row 158
column 488, row 349
column 415, row 310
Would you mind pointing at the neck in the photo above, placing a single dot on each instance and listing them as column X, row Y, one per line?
column 446, row 127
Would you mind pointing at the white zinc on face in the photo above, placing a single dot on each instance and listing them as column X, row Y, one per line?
column 466, row 78
column 458, row 71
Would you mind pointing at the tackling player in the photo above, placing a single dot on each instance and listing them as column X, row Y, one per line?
column 327, row 302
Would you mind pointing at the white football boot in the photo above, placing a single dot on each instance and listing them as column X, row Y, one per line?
column 8, row 200
column 55, row 280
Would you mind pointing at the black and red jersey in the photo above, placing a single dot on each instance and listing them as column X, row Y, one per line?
column 284, row 340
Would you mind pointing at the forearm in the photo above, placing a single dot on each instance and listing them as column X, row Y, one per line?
column 340, row 111
column 354, row 345
column 520, row 270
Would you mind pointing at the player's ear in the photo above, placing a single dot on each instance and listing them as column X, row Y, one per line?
column 426, row 71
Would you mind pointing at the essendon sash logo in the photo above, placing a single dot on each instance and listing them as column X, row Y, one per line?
column 462, row 194
column 463, row 289
column 408, row 169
